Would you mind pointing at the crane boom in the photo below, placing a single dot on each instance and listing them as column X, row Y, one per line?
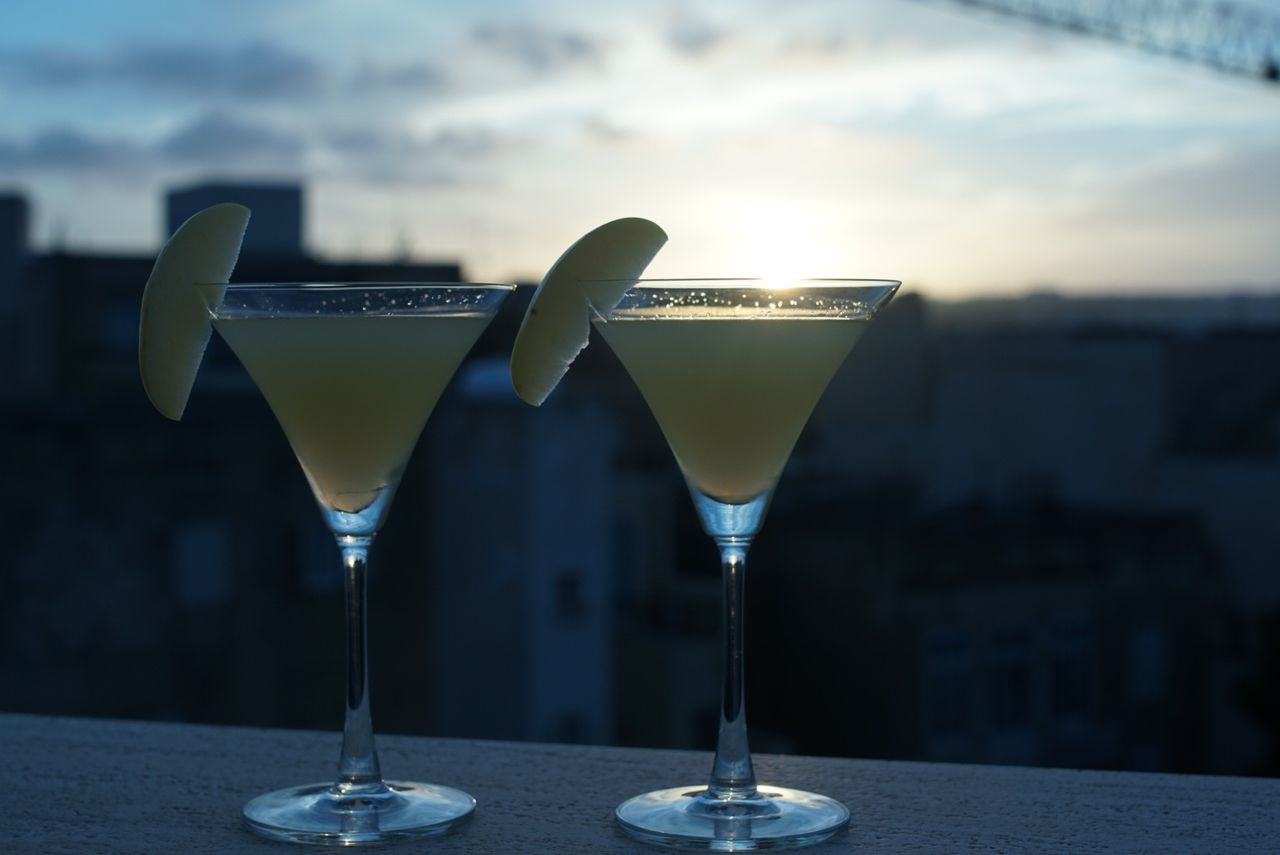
column 1225, row 36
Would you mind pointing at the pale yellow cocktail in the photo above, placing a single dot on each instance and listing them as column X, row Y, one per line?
column 731, row 394
column 352, row 392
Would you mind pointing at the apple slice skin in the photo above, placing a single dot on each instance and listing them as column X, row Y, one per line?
column 174, row 326
column 557, row 325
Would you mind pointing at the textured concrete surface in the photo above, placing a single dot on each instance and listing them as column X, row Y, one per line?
column 81, row 785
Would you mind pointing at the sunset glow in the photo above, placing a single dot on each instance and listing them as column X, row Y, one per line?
column 884, row 139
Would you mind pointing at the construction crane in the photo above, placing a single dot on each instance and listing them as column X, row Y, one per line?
column 1228, row 37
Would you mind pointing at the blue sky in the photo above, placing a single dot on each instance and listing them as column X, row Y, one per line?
column 885, row 138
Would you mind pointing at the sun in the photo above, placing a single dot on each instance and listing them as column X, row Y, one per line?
column 781, row 242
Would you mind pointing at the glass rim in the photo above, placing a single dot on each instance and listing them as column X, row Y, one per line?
column 749, row 282
column 240, row 300
column 352, row 286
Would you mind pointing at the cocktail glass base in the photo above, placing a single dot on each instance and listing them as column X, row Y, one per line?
column 334, row 815
column 688, row 818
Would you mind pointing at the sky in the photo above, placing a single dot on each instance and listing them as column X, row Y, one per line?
column 902, row 139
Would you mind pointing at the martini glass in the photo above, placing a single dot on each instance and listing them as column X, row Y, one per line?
column 352, row 371
column 731, row 369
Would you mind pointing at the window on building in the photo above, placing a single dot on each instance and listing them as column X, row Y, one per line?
column 626, row 563
column 1011, row 680
column 570, row 728
column 570, row 605
column 1071, row 665
column 202, row 564
column 120, row 328
column 1147, row 663
column 948, row 682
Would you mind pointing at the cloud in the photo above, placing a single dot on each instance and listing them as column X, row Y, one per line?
column 816, row 45
column 460, row 142
column 451, row 155
column 404, row 77
column 254, row 70
column 600, row 129
column 1208, row 219
column 212, row 139
column 220, row 137
column 443, row 157
column 1235, row 189
column 69, row 149
column 695, row 38
column 538, row 50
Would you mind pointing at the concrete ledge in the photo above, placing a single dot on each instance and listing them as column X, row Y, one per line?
column 84, row 785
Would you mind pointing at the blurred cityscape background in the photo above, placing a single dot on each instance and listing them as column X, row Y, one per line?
column 1032, row 530
column 1027, row 524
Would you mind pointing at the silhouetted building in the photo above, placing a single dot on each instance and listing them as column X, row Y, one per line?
column 1029, row 634
column 1017, row 532
column 521, row 608
column 14, row 236
column 277, row 220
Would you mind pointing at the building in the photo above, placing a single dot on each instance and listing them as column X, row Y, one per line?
column 15, row 226
column 999, row 540
column 278, row 219
column 1026, row 635
column 521, row 609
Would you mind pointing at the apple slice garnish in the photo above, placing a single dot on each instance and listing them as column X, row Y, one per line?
column 174, row 328
column 594, row 273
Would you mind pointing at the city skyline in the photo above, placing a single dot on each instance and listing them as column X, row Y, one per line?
column 962, row 154
column 1061, row 531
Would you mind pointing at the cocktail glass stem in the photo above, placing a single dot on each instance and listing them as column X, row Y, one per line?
column 731, row 774
column 358, row 765
column 732, row 814
column 732, row 526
